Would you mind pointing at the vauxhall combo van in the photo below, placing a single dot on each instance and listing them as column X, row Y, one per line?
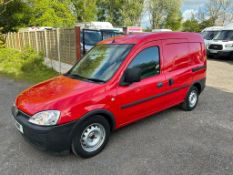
column 119, row 81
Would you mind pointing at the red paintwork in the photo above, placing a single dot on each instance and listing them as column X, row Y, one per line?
column 74, row 98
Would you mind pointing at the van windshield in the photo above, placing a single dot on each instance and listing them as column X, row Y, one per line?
column 209, row 35
column 100, row 63
column 226, row 35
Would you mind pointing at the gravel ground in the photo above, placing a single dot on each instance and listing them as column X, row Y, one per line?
column 171, row 142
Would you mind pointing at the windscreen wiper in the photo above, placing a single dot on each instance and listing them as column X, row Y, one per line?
column 74, row 76
column 84, row 78
column 96, row 80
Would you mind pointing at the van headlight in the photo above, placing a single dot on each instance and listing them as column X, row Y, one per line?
column 229, row 45
column 45, row 118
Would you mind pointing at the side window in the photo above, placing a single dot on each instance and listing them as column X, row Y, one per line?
column 148, row 61
column 176, row 56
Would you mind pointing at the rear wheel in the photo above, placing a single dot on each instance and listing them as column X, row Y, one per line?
column 91, row 137
column 191, row 99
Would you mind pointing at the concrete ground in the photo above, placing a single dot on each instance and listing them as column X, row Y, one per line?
column 173, row 142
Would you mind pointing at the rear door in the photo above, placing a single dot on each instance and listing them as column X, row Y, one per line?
column 143, row 98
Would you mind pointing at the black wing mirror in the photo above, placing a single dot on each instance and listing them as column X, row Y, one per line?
column 131, row 75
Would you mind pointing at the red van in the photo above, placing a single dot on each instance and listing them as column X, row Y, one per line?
column 119, row 81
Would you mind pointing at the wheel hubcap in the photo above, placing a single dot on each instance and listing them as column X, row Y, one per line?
column 192, row 99
column 92, row 137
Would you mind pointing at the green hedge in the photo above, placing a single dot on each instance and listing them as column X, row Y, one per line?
column 26, row 65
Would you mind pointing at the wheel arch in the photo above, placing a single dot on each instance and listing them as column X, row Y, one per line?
column 200, row 85
column 103, row 112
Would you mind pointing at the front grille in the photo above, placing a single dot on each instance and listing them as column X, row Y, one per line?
column 216, row 47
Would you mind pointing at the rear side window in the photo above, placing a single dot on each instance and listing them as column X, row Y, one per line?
column 176, row 56
column 148, row 61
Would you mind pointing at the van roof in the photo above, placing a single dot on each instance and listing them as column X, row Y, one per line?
column 161, row 30
column 95, row 25
column 213, row 28
column 228, row 27
column 147, row 37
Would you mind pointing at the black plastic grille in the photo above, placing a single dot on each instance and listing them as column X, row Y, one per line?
column 216, row 47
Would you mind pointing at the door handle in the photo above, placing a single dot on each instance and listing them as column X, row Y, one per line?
column 170, row 81
column 160, row 84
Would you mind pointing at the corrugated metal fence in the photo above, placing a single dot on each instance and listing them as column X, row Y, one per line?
column 59, row 46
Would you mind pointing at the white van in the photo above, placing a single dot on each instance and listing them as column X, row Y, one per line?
column 161, row 30
column 95, row 25
column 222, row 44
column 209, row 33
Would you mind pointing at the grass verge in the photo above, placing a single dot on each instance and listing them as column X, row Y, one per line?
column 26, row 65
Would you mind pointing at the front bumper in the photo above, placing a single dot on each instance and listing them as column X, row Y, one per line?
column 219, row 54
column 49, row 138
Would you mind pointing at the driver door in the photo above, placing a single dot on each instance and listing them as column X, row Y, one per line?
column 143, row 98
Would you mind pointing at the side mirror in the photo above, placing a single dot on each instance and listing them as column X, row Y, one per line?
column 132, row 75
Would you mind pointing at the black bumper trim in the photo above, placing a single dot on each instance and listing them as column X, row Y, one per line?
column 198, row 68
column 48, row 138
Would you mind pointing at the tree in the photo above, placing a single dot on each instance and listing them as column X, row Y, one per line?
column 132, row 12
column 206, row 23
column 191, row 25
column 14, row 14
column 120, row 12
column 111, row 11
column 55, row 13
column 161, row 11
column 213, row 8
column 3, row 4
column 225, row 12
column 218, row 12
column 85, row 10
column 173, row 20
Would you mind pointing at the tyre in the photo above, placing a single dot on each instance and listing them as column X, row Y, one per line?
column 90, row 137
column 191, row 99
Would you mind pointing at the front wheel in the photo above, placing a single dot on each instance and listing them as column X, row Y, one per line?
column 90, row 137
column 191, row 99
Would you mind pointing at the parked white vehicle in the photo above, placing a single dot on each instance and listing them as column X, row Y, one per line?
column 222, row 44
column 161, row 30
column 93, row 32
column 95, row 25
column 33, row 29
column 209, row 33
